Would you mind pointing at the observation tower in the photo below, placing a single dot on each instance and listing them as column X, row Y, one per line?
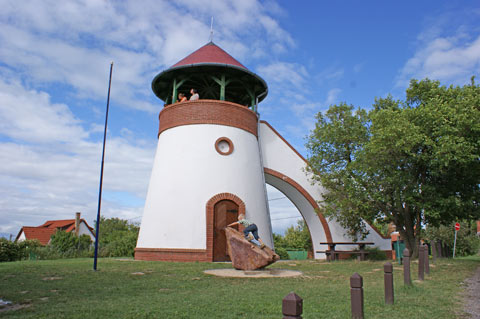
column 208, row 168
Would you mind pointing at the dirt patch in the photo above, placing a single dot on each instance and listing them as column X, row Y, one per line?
column 51, row 278
column 265, row 273
column 138, row 273
column 472, row 291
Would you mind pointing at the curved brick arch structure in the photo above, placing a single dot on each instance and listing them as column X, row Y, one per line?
column 210, row 207
column 284, row 169
column 304, row 193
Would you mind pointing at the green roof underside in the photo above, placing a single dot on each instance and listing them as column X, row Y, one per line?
column 213, row 81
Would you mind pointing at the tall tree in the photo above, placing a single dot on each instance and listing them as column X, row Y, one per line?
column 411, row 162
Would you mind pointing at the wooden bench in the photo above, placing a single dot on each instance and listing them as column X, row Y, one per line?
column 333, row 254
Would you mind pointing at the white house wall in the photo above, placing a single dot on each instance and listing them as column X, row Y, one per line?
column 187, row 172
column 279, row 156
column 22, row 236
column 84, row 230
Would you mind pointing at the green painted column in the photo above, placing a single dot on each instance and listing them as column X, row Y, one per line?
column 174, row 93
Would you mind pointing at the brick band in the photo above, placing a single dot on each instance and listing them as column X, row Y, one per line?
column 208, row 112
column 166, row 254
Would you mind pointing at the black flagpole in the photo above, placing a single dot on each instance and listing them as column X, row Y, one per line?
column 101, row 172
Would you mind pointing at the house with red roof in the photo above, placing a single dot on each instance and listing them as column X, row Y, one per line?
column 44, row 232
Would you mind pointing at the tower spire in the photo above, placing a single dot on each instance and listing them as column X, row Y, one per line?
column 211, row 30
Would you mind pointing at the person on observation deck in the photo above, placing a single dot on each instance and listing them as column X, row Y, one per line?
column 194, row 94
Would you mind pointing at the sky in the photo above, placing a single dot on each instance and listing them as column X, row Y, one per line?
column 55, row 58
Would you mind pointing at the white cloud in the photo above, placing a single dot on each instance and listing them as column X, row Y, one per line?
column 29, row 115
column 448, row 59
column 55, row 59
column 287, row 74
column 53, row 169
column 332, row 96
column 73, row 42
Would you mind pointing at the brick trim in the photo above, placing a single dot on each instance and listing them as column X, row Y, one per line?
column 230, row 146
column 307, row 197
column 210, row 207
column 208, row 112
column 171, row 254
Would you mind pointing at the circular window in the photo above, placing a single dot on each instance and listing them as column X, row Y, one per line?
column 224, row 146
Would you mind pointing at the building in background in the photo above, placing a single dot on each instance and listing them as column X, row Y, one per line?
column 44, row 232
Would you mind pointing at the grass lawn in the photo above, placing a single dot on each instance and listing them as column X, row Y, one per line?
column 71, row 289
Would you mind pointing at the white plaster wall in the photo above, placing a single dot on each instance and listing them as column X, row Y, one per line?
column 279, row 156
column 187, row 172
column 22, row 237
column 84, row 230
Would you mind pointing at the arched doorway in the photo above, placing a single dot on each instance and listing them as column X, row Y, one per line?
column 225, row 213
column 222, row 209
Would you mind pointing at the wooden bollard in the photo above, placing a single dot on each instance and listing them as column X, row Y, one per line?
column 407, row 279
column 421, row 262
column 388, row 280
column 356, row 296
column 427, row 260
column 433, row 245
column 440, row 251
column 292, row 306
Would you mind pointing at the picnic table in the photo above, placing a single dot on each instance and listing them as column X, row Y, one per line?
column 333, row 254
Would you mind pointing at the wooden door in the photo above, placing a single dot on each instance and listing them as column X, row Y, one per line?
column 225, row 212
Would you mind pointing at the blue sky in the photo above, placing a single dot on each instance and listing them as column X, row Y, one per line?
column 55, row 58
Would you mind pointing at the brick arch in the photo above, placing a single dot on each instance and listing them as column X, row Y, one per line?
column 210, row 211
column 307, row 196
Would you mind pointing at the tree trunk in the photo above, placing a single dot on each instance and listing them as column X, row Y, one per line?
column 407, row 230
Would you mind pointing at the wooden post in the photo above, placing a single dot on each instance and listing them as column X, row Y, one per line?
column 427, row 261
column 292, row 306
column 421, row 262
column 434, row 251
column 356, row 296
column 407, row 280
column 388, row 280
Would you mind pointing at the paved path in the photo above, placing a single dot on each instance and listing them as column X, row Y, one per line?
column 472, row 295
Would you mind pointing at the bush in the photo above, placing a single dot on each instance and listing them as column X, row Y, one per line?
column 282, row 252
column 29, row 247
column 9, row 251
column 468, row 242
column 117, row 237
column 375, row 253
column 68, row 245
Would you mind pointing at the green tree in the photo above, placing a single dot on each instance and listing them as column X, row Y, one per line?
column 298, row 237
column 67, row 244
column 468, row 243
column 117, row 237
column 412, row 162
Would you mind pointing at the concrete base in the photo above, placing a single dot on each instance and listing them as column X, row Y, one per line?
column 264, row 273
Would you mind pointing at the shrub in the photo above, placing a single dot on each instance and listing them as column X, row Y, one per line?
column 117, row 237
column 375, row 253
column 468, row 242
column 29, row 248
column 282, row 252
column 9, row 251
column 68, row 245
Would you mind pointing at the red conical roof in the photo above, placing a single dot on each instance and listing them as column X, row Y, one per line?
column 209, row 53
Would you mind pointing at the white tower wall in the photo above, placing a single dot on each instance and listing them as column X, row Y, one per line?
column 187, row 172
